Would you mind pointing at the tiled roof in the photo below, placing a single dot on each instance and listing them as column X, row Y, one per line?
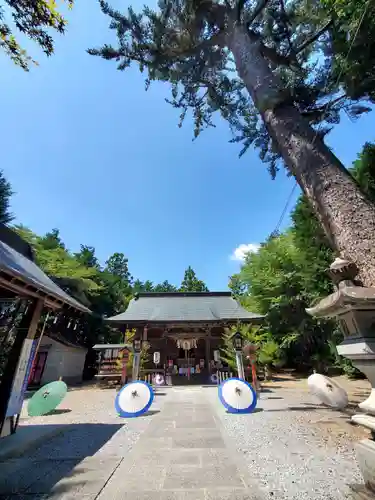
column 184, row 307
column 23, row 268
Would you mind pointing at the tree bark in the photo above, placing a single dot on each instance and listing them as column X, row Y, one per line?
column 346, row 214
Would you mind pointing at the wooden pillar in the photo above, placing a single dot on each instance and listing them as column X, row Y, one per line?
column 208, row 352
column 26, row 330
column 144, row 334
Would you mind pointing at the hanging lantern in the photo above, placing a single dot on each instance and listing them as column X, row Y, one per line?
column 237, row 341
column 186, row 345
column 137, row 345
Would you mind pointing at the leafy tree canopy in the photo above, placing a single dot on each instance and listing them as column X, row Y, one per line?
column 34, row 19
column 191, row 283
column 5, row 194
column 87, row 257
column 353, row 57
column 288, row 274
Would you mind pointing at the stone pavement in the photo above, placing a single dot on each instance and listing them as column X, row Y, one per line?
column 181, row 454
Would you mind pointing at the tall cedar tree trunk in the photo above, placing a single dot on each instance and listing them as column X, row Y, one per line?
column 347, row 216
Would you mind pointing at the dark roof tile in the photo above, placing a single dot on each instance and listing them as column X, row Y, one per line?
column 21, row 267
column 184, row 307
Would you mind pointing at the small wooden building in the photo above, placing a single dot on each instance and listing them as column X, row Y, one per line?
column 185, row 328
column 57, row 357
column 26, row 292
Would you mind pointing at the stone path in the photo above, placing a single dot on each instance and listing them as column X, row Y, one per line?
column 181, row 454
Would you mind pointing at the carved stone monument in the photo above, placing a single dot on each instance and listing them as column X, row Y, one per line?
column 353, row 305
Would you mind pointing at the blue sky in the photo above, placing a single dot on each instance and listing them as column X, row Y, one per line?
column 88, row 151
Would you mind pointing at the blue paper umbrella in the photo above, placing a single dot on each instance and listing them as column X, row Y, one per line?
column 134, row 399
column 237, row 396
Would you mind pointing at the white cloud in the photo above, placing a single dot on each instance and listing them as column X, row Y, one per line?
column 240, row 252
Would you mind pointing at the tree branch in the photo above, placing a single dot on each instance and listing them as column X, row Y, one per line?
column 278, row 59
column 262, row 4
column 314, row 37
column 320, row 111
column 284, row 20
column 214, row 40
column 240, row 6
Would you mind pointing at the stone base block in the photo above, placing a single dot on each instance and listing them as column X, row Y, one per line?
column 366, row 421
column 366, row 459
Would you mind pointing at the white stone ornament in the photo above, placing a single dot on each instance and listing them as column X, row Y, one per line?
column 328, row 391
column 186, row 345
column 159, row 379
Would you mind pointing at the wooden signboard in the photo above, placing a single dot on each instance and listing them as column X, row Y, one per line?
column 112, row 362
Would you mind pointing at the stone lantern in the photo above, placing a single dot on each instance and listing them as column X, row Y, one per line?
column 353, row 305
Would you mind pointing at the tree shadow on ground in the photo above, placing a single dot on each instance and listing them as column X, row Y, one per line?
column 58, row 411
column 149, row 413
column 54, row 467
column 257, row 410
column 306, row 407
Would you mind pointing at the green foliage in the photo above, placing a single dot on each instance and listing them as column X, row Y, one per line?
column 145, row 354
column 353, row 59
column 270, row 354
column 34, row 19
column 288, row 274
column 276, row 278
column 268, row 351
column 5, row 194
column 52, row 256
column 119, row 280
column 165, row 287
column 191, row 283
column 364, row 170
column 86, row 256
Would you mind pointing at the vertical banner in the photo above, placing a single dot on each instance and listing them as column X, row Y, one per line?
column 21, row 378
column 136, row 363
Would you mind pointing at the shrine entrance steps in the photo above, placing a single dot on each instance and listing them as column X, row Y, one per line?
column 196, row 379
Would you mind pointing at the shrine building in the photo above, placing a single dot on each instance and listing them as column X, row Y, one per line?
column 185, row 328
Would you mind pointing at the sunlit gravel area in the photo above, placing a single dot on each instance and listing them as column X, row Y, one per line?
column 288, row 446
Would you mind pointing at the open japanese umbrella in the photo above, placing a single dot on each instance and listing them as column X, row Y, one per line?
column 134, row 399
column 237, row 396
column 327, row 391
column 47, row 398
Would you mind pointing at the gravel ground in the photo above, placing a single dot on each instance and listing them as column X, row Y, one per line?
column 293, row 448
column 284, row 448
column 94, row 427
